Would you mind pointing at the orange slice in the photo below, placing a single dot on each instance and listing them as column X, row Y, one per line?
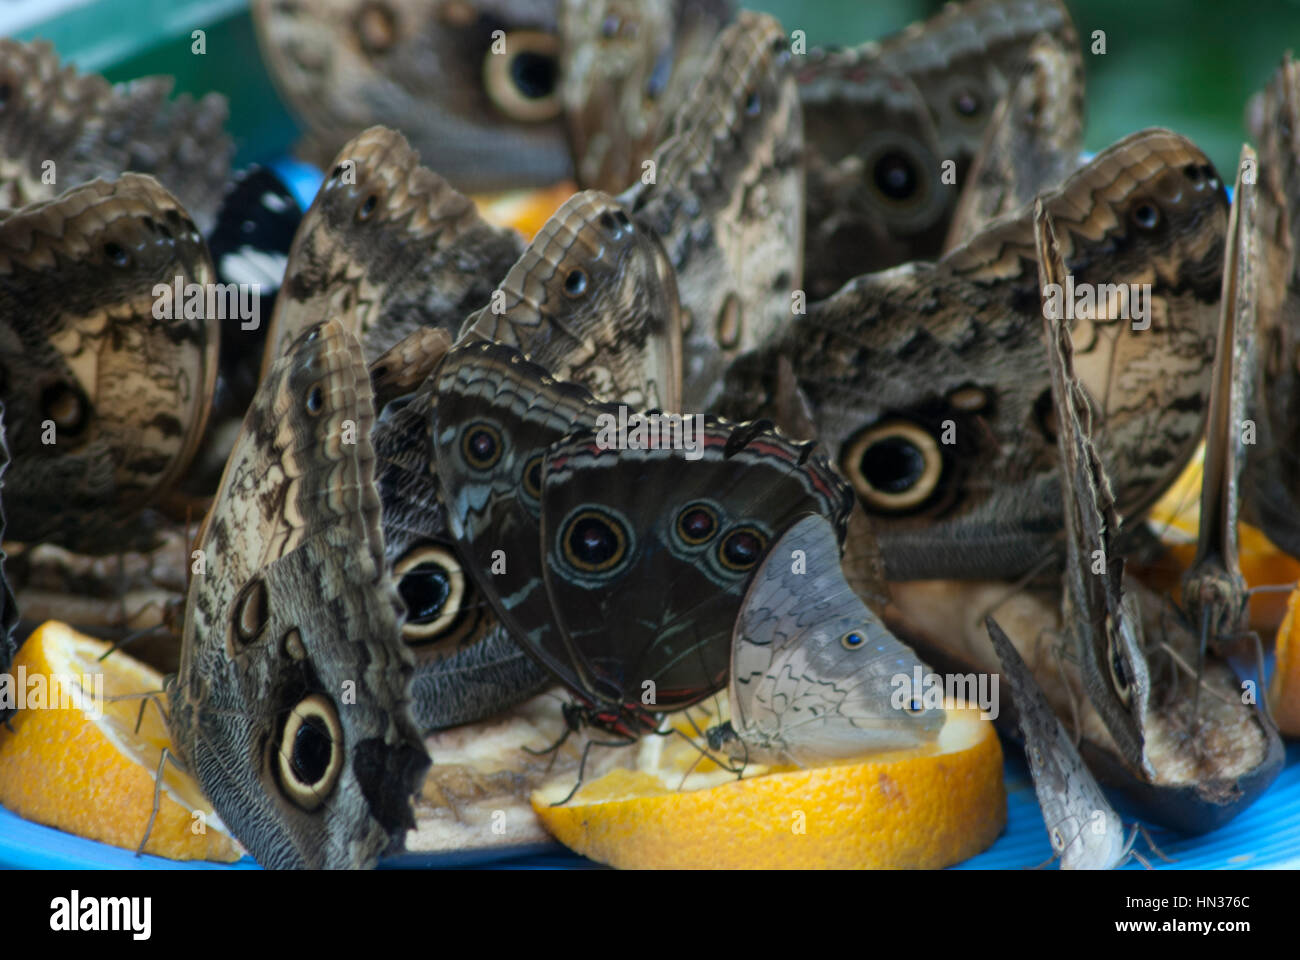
column 920, row 809
column 524, row 210
column 74, row 760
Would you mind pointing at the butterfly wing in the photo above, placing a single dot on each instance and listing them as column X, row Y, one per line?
column 648, row 551
column 893, row 125
column 106, row 375
column 929, row 382
column 1106, row 624
column 627, row 64
column 813, row 670
column 1084, row 829
column 391, row 246
column 62, row 128
column 1214, row 589
column 594, row 300
column 1272, row 495
column 726, row 200
column 290, row 705
column 474, row 84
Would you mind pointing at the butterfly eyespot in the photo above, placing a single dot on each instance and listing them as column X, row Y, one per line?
column 697, row 523
column 894, row 467
column 968, row 399
column 293, row 646
column 481, row 446
column 730, row 323
column 895, row 176
column 532, row 477
column 1058, row 839
column 315, row 400
column 609, row 27
column 915, row 707
column 66, row 405
column 593, row 541
column 376, row 27
column 1145, row 215
column 1119, row 677
column 117, row 255
column 251, row 611
column 742, row 549
column 367, row 208
column 852, row 640
column 967, row 103
column 523, row 82
column 575, row 283
column 753, row 104
column 310, row 752
column 431, row 583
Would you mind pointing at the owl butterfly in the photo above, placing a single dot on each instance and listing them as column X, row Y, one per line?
column 1084, row 829
column 391, row 246
column 1214, row 590
column 883, row 121
column 929, row 382
column 594, row 300
column 475, row 84
column 106, row 393
column 291, row 702
column 621, row 570
column 812, row 668
column 59, row 128
column 592, row 297
column 1105, row 623
column 1272, row 478
column 726, row 199
column 627, row 64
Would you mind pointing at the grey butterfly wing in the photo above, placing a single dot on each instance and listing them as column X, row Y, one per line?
column 290, row 704
column 594, row 300
column 61, row 128
column 813, row 670
column 473, row 84
column 1214, row 589
column 1106, row 624
column 1084, row 829
column 726, row 200
column 391, row 246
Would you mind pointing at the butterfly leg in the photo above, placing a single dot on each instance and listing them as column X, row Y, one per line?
column 157, row 794
column 582, row 764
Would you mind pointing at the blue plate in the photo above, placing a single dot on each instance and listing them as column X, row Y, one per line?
column 1265, row 835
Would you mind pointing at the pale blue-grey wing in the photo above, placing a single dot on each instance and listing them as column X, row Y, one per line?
column 1084, row 829
column 815, row 675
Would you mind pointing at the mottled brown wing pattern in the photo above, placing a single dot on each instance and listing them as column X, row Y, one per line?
column 594, row 300
column 390, row 246
column 627, row 65
column 291, row 702
column 60, row 128
column 482, row 109
column 930, row 381
column 893, row 126
column 726, row 200
column 107, row 401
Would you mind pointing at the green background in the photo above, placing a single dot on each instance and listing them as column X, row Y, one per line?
column 1190, row 66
